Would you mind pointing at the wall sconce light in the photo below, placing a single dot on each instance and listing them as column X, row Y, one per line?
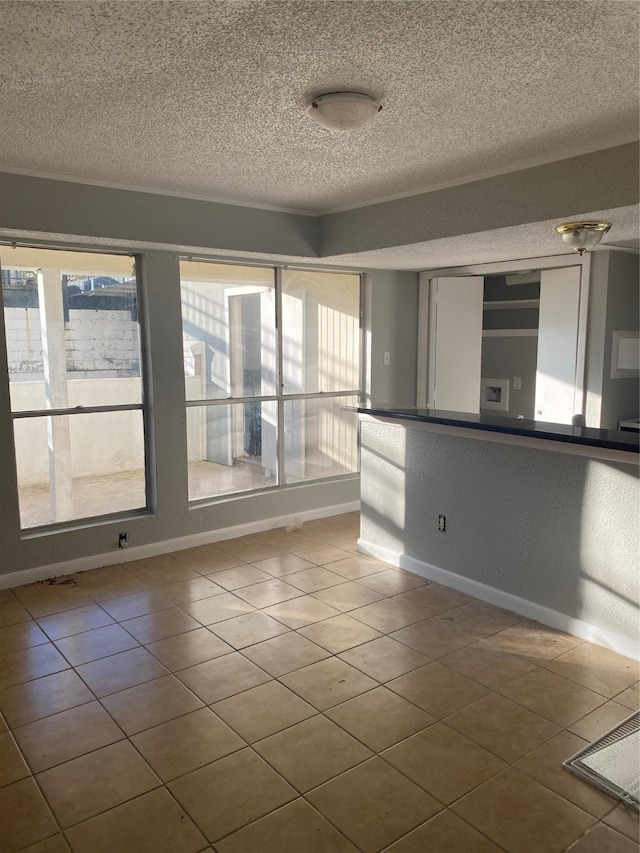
column 343, row 111
column 582, row 236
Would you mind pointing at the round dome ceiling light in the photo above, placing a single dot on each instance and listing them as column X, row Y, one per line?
column 582, row 236
column 343, row 111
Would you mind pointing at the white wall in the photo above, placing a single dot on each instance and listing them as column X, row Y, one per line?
column 91, row 337
column 94, row 337
column 23, row 339
column 102, row 444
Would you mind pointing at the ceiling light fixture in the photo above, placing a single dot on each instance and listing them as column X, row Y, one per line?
column 343, row 111
column 582, row 236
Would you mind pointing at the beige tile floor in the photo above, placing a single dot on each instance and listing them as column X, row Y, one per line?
column 280, row 694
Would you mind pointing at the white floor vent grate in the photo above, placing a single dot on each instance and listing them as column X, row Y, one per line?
column 612, row 762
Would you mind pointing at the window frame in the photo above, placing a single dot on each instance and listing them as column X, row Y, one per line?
column 143, row 406
column 280, row 398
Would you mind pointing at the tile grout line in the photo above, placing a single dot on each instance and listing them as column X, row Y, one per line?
column 173, row 673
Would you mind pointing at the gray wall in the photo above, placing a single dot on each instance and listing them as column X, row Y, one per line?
column 613, row 306
column 558, row 530
column 620, row 396
column 596, row 326
column 391, row 325
column 67, row 208
column 597, row 181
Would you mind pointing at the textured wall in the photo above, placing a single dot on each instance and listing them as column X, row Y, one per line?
column 102, row 340
column 555, row 529
column 105, row 341
column 24, row 340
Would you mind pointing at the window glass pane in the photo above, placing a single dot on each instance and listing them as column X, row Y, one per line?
column 320, row 331
column 72, row 331
column 320, row 438
column 231, row 448
column 228, row 328
column 78, row 466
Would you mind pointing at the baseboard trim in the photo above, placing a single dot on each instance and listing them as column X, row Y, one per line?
column 554, row 619
column 168, row 546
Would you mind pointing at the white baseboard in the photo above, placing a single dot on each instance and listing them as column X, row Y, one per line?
column 627, row 646
column 167, row 546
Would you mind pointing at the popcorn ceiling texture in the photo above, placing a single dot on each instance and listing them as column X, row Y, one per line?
column 207, row 98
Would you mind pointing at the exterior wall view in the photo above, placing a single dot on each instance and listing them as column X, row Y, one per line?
column 92, row 337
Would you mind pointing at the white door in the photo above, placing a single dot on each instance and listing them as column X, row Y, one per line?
column 457, row 353
column 558, row 345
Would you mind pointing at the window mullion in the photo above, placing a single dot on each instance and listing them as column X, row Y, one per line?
column 279, row 377
column 320, row 395
column 77, row 410
column 226, row 401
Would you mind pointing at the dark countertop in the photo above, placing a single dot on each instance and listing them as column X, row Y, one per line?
column 609, row 439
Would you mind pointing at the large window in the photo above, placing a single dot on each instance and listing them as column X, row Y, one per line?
column 264, row 399
column 320, row 373
column 73, row 347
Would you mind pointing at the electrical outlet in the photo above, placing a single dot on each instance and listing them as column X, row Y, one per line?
column 122, row 540
column 442, row 524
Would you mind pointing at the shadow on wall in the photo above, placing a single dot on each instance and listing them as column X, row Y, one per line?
column 551, row 528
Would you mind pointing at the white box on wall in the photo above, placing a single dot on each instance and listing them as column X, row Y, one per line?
column 625, row 355
column 494, row 394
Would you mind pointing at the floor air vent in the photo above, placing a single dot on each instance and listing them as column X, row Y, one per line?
column 612, row 762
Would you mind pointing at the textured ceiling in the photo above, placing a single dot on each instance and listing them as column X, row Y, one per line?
column 207, row 98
